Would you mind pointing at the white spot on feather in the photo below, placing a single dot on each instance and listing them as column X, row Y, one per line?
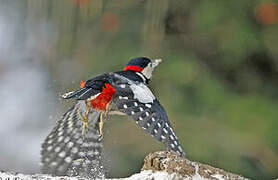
column 70, row 144
column 62, row 154
column 74, row 150
column 50, row 136
column 49, row 148
column 159, row 125
column 60, row 133
column 68, row 159
column 148, row 105
column 66, row 139
column 57, row 149
column 70, row 124
column 172, row 137
column 60, row 138
column 53, row 164
column 171, row 129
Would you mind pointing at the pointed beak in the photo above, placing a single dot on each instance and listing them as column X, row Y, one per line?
column 155, row 62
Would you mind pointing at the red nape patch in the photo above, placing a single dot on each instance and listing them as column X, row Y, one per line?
column 82, row 84
column 101, row 101
column 133, row 68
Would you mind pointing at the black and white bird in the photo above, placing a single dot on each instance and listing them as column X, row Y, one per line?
column 75, row 144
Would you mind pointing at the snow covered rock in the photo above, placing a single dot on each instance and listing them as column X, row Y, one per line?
column 173, row 163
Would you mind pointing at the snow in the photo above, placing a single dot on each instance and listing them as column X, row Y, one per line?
column 146, row 175
column 218, row 176
column 150, row 175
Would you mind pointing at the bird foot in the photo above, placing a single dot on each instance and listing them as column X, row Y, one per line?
column 84, row 119
column 103, row 115
column 100, row 125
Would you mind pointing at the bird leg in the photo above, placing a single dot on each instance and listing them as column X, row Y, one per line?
column 103, row 115
column 85, row 119
column 100, row 125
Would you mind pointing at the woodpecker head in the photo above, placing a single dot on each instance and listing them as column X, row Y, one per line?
column 142, row 65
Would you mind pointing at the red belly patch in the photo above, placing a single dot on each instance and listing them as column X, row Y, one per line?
column 101, row 101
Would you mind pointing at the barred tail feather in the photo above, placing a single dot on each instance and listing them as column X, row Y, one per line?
column 65, row 152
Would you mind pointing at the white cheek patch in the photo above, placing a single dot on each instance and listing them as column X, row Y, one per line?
column 147, row 71
column 142, row 93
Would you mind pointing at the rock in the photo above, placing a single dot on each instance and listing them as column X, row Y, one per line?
column 172, row 162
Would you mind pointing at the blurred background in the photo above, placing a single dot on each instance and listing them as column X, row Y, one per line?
column 218, row 80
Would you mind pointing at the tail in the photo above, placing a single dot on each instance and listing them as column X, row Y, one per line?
column 65, row 152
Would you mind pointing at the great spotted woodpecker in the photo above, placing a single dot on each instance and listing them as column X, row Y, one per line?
column 74, row 146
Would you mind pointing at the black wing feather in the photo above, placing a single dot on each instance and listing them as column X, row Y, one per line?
column 92, row 87
column 152, row 117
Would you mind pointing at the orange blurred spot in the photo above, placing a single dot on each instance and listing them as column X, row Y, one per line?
column 267, row 13
column 82, row 84
column 81, row 2
column 110, row 22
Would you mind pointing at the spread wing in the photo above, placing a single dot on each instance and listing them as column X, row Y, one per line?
column 138, row 102
column 65, row 152
column 91, row 88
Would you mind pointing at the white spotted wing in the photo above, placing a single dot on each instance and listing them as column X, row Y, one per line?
column 137, row 101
